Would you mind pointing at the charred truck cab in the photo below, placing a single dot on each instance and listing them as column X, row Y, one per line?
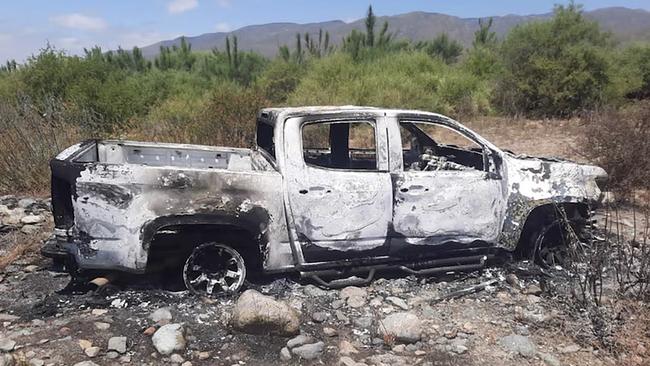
column 327, row 192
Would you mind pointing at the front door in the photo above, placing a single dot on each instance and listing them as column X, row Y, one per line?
column 339, row 189
column 444, row 194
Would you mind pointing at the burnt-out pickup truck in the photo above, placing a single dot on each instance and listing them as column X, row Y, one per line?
column 333, row 193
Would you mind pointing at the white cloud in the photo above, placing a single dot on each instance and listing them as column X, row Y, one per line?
column 223, row 3
column 80, row 21
column 181, row 6
column 223, row 27
column 129, row 39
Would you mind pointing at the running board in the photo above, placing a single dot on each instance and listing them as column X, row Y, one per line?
column 460, row 264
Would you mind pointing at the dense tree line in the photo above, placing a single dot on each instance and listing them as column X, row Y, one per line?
column 555, row 68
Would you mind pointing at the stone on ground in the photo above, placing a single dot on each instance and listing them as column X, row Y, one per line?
column 259, row 314
column 405, row 327
column 309, row 351
column 169, row 338
column 117, row 344
column 518, row 344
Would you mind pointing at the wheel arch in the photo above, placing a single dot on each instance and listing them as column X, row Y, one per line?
column 545, row 214
column 164, row 233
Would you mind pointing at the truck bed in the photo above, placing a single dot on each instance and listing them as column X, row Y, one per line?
column 172, row 155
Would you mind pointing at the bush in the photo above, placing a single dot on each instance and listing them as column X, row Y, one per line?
column 631, row 76
column 618, row 140
column 28, row 141
column 400, row 80
column 554, row 68
column 224, row 116
column 280, row 79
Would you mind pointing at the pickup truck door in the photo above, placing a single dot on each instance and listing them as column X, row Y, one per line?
column 338, row 187
column 444, row 193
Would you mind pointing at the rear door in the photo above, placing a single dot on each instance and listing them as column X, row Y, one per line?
column 339, row 187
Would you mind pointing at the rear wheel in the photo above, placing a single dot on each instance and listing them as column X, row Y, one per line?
column 214, row 270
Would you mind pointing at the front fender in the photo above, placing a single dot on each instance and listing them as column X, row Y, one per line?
column 535, row 182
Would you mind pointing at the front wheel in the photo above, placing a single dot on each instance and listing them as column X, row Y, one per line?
column 214, row 270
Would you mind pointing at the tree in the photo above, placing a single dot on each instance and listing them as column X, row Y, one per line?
column 443, row 47
column 483, row 36
column 370, row 27
column 557, row 67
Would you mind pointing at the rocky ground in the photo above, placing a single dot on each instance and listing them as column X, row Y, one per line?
column 518, row 315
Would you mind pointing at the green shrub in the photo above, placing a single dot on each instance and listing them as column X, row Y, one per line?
column 280, row 79
column 554, row 68
column 225, row 115
column 400, row 80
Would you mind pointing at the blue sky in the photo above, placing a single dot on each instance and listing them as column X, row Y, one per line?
column 26, row 26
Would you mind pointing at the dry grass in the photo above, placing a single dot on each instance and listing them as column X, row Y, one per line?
column 19, row 245
column 28, row 140
column 551, row 137
column 619, row 141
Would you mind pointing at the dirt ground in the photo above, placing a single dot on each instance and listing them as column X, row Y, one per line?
column 526, row 315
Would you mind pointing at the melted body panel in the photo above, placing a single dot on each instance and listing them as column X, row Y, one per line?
column 110, row 197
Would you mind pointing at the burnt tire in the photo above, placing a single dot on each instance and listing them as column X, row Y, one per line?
column 214, row 270
column 550, row 246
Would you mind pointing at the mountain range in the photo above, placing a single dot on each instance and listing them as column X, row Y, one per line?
column 625, row 24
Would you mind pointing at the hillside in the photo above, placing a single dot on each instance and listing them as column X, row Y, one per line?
column 626, row 24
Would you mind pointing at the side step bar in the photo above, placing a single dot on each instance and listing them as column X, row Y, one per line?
column 460, row 264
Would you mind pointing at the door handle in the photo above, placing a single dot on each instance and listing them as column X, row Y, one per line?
column 414, row 188
column 303, row 191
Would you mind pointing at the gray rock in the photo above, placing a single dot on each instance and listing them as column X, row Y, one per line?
column 85, row 363
column 518, row 344
column 572, row 348
column 329, row 332
column 8, row 317
column 259, row 314
column 29, row 269
column 313, row 291
column 309, row 351
column 337, row 304
column 522, row 330
column 32, row 219
column 92, row 351
column 29, row 229
column 341, row 316
column 102, row 325
column 26, row 202
column 549, row 359
column 176, row 358
column 285, row 354
column 7, row 360
column 533, row 290
column 7, row 345
column 319, row 316
column 355, row 297
column 299, row 340
column 405, row 327
column 458, row 346
column 36, row 362
column 363, row 322
column 398, row 302
column 513, row 281
column 162, row 314
column 169, row 338
column 117, row 344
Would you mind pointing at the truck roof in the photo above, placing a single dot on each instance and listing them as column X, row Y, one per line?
column 270, row 114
